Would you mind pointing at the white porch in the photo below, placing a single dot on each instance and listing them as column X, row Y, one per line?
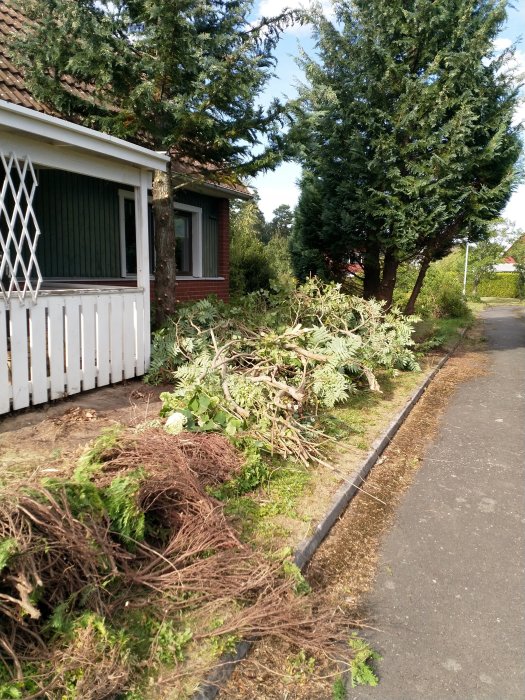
column 59, row 339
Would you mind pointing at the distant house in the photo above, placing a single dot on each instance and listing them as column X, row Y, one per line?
column 76, row 251
column 508, row 264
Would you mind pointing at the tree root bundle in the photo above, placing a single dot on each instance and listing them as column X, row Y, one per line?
column 65, row 558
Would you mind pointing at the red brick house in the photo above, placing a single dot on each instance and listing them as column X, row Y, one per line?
column 76, row 246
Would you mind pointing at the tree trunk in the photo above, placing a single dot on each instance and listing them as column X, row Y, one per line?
column 411, row 304
column 388, row 281
column 372, row 272
column 165, row 266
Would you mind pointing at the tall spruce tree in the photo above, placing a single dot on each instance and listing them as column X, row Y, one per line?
column 405, row 134
column 181, row 75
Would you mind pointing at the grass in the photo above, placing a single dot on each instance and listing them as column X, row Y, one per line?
column 441, row 333
column 262, row 514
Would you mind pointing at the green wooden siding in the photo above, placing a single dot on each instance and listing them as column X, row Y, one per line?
column 79, row 220
column 210, row 228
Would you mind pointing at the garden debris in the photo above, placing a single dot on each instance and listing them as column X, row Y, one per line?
column 134, row 530
column 76, row 414
column 266, row 368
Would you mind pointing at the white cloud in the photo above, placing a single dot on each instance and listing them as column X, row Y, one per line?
column 270, row 8
column 502, row 43
column 515, row 209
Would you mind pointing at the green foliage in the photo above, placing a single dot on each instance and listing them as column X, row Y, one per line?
column 186, row 73
column 224, row 644
column 281, row 225
column 339, row 689
column 13, row 689
column 275, row 357
column 441, row 295
column 120, row 501
column 405, row 133
column 90, row 460
column 360, row 671
column 293, row 572
column 117, row 501
column 171, row 642
column 259, row 252
column 502, row 284
column 8, row 547
column 256, row 472
column 250, row 268
column 301, row 666
column 202, row 412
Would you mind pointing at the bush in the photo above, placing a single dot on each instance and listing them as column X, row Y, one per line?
column 442, row 293
column 502, row 284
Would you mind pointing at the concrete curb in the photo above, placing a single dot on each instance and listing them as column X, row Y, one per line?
column 304, row 553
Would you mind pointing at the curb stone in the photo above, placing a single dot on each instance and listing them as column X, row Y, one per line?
column 217, row 678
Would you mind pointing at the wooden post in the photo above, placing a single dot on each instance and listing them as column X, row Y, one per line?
column 143, row 262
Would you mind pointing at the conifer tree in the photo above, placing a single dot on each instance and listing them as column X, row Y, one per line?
column 405, row 134
column 182, row 75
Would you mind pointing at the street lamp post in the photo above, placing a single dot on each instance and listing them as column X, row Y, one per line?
column 465, row 274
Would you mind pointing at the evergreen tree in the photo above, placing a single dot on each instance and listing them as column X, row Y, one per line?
column 405, row 134
column 250, row 268
column 281, row 223
column 182, row 75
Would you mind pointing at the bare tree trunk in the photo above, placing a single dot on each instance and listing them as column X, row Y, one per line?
column 165, row 265
column 388, row 281
column 411, row 304
column 372, row 272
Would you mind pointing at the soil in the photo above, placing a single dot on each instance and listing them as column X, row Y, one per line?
column 47, row 440
column 343, row 570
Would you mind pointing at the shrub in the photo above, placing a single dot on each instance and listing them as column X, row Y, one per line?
column 502, row 284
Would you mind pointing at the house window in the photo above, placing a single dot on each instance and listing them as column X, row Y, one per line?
column 128, row 236
column 183, row 242
column 187, row 238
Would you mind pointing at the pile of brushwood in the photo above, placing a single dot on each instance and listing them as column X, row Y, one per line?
column 264, row 367
column 112, row 576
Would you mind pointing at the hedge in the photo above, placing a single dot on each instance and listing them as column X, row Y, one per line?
column 502, row 284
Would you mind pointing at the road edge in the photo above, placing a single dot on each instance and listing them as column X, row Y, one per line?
column 343, row 497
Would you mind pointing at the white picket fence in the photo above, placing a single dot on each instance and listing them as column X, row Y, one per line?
column 69, row 341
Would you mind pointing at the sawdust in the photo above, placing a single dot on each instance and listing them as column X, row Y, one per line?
column 344, row 568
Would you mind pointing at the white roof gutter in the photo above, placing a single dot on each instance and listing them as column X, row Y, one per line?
column 61, row 132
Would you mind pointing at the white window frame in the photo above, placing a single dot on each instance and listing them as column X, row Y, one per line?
column 196, row 238
column 196, row 235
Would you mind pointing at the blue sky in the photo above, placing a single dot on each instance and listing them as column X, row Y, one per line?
column 280, row 186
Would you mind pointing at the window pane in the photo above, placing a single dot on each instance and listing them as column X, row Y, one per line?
column 131, row 245
column 183, row 243
column 130, row 237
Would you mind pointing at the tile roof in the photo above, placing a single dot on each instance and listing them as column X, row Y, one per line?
column 12, row 83
column 14, row 89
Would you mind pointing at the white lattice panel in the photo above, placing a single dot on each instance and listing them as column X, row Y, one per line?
column 19, row 231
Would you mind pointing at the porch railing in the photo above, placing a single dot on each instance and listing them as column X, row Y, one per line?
column 69, row 341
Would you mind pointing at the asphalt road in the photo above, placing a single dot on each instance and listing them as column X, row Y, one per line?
column 449, row 599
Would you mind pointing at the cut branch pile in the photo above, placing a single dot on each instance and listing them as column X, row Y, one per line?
column 266, row 369
column 66, row 555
